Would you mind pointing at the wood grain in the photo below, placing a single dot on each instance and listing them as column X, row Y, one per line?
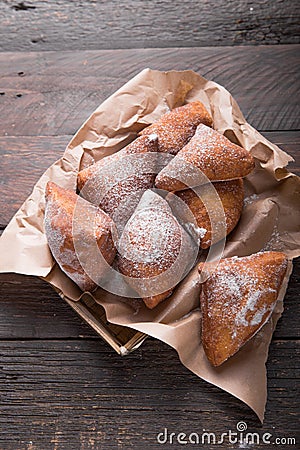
column 25, row 158
column 288, row 141
column 23, row 161
column 30, row 309
column 80, row 395
column 53, row 93
column 88, row 24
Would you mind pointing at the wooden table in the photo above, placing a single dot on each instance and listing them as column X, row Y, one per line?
column 62, row 387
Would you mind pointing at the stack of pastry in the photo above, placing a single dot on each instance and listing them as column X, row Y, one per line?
column 153, row 235
column 208, row 157
column 119, row 187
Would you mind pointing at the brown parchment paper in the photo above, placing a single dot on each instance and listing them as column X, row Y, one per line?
column 270, row 221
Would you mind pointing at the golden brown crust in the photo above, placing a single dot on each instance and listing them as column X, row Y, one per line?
column 153, row 301
column 211, row 153
column 149, row 248
column 175, row 128
column 110, row 183
column 237, row 300
column 231, row 194
column 140, row 145
column 60, row 218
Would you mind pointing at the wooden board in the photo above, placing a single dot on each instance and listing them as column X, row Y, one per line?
column 23, row 161
column 88, row 24
column 53, row 93
column 288, row 141
column 80, row 395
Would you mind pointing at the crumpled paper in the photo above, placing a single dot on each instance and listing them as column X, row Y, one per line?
column 270, row 221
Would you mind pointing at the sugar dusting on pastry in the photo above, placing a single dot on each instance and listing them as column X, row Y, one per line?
column 91, row 179
column 152, row 137
column 151, row 235
column 175, row 128
column 212, row 154
column 70, row 219
column 67, row 258
column 237, row 300
column 117, row 182
column 216, row 208
column 154, row 250
column 196, row 232
column 241, row 290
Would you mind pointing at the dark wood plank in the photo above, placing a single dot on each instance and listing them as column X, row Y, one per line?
column 87, row 24
column 52, row 93
column 23, row 161
column 80, row 395
column 289, row 142
column 29, row 308
column 25, row 158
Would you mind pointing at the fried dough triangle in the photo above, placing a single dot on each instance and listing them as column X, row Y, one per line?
column 117, row 182
column 231, row 195
column 70, row 219
column 154, row 250
column 237, row 300
column 175, row 128
column 209, row 153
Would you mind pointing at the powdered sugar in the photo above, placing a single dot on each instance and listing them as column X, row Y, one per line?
column 249, row 200
column 155, row 251
column 237, row 300
column 175, row 128
column 129, row 171
column 241, row 295
column 211, row 153
column 152, row 137
column 275, row 241
column 76, row 232
column 196, row 232
column 151, row 233
column 251, row 304
column 64, row 252
column 258, row 316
